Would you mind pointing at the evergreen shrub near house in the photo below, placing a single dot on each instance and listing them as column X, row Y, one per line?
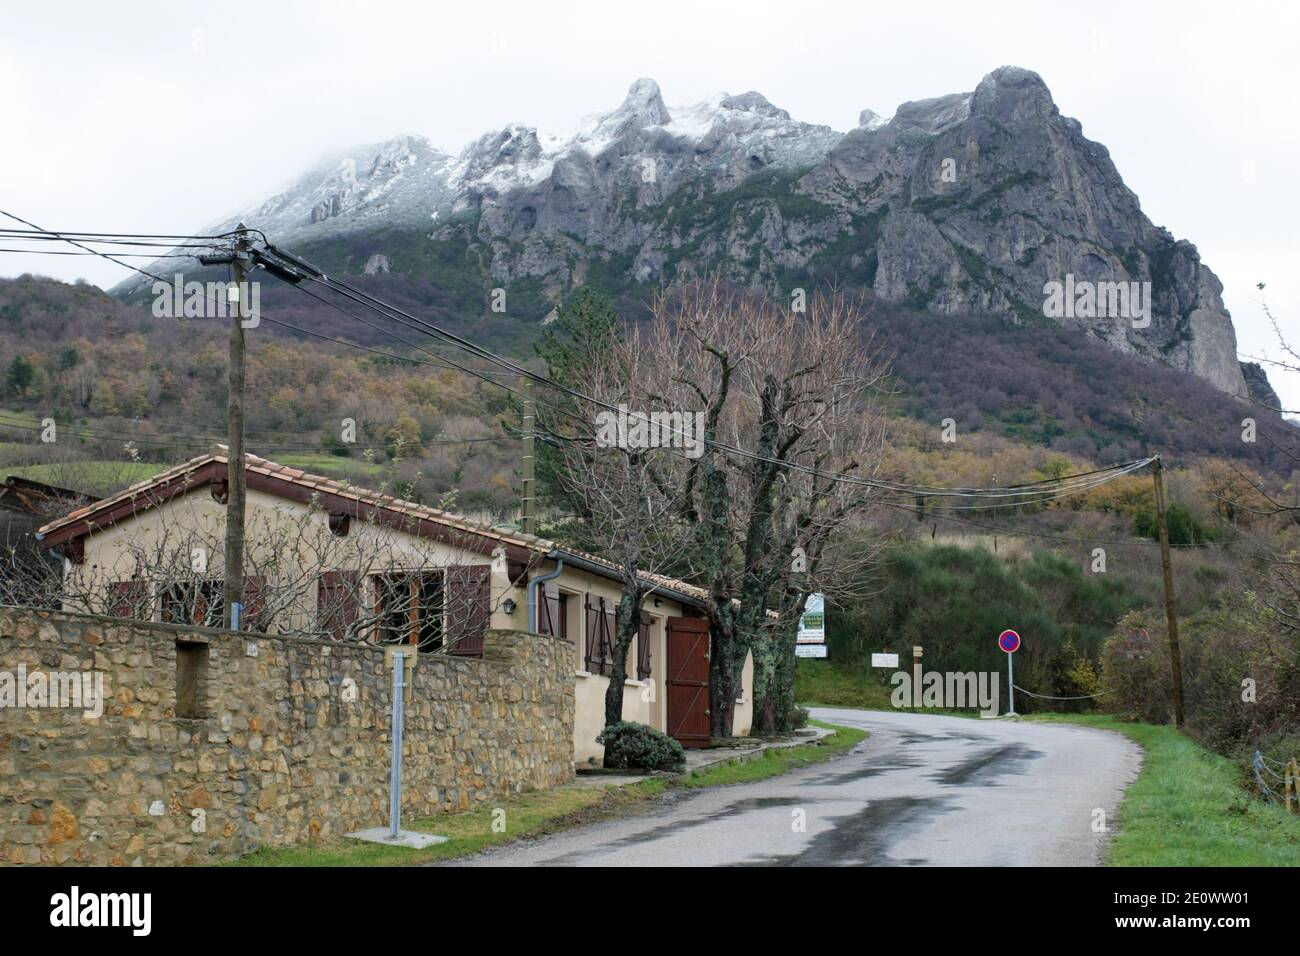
column 632, row 746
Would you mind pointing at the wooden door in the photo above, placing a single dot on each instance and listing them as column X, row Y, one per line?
column 687, row 681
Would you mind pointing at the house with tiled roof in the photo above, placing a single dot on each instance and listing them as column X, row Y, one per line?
column 329, row 560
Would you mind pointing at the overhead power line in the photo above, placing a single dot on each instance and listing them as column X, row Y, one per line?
column 77, row 234
column 69, row 252
column 401, row 315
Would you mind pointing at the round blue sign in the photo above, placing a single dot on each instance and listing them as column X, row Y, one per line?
column 1009, row 641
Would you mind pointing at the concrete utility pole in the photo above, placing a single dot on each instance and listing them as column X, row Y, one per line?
column 233, row 593
column 528, row 518
column 1175, row 658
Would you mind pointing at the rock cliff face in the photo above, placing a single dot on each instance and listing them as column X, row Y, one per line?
column 968, row 203
column 1259, row 388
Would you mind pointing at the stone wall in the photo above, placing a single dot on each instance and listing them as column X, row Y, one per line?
column 290, row 742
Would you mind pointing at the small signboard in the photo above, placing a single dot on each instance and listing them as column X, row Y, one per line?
column 810, row 650
column 884, row 660
column 1009, row 641
column 812, row 625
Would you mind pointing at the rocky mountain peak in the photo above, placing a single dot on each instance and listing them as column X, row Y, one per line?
column 752, row 102
column 645, row 104
column 870, row 119
column 1012, row 95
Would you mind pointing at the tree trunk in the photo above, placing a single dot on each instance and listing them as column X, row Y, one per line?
column 724, row 674
column 782, row 697
column 629, row 625
column 764, row 685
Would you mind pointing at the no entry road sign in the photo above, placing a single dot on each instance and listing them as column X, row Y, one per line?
column 1009, row 641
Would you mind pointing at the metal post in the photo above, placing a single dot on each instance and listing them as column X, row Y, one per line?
column 399, row 719
column 1011, row 685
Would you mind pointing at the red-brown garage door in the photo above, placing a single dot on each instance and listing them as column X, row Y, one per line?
column 687, row 684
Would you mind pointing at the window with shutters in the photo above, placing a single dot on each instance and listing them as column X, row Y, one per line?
column 337, row 603
column 600, row 630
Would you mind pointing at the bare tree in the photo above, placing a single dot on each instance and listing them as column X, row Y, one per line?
column 613, row 467
column 790, row 398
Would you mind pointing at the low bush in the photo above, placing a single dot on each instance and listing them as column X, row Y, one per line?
column 632, row 746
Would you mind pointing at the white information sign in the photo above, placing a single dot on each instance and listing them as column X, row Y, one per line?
column 812, row 624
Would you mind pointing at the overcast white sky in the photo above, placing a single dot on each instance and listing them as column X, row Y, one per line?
column 166, row 117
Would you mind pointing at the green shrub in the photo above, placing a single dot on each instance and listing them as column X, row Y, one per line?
column 1184, row 528
column 632, row 746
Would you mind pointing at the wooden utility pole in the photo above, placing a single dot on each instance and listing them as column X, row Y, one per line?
column 528, row 517
column 1175, row 658
column 233, row 592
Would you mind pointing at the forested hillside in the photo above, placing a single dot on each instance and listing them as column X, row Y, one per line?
column 110, row 373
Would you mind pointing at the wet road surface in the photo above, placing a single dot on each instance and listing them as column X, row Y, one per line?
column 921, row 790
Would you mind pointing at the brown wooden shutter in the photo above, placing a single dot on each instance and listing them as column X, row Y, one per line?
column 643, row 649
column 337, row 602
column 600, row 636
column 593, row 657
column 559, row 613
column 611, row 632
column 469, row 594
column 543, row 617
column 126, row 599
column 254, row 605
column 546, row 618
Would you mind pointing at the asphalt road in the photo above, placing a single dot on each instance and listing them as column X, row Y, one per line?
column 920, row 791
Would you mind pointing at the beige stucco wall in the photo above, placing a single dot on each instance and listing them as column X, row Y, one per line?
column 163, row 538
column 743, row 721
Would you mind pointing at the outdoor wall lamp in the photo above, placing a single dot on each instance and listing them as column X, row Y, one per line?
column 508, row 605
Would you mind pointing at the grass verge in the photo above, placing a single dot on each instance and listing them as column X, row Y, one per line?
column 831, row 684
column 550, row 811
column 1189, row 807
column 819, row 683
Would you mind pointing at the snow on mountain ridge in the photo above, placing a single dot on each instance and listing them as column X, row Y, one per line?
column 407, row 183
column 408, row 180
